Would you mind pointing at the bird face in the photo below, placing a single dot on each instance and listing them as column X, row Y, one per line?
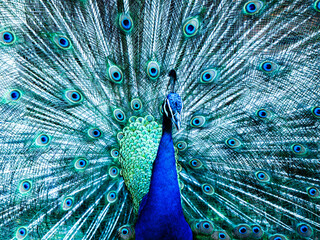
column 172, row 108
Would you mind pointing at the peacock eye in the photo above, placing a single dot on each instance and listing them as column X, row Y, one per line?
column 125, row 22
column 262, row 113
column 67, row 203
column 181, row 145
column 316, row 112
column 43, row 140
column 257, row 232
column 81, row 163
column 205, row 227
column 73, row 96
column 14, row 95
column 62, row 42
column 304, row 230
column 313, row 192
column 125, row 232
column 119, row 115
column 222, row 236
column 113, row 172
column 195, row 163
column 94, row 133
column 198, row 121
column 268, row 67
column 252, row 7
column 298, row 149
column 317, row 5
column 207, row 189
column 242, row 231
column 21, row 233
column 233, row 142
column 25, row 186
column 115, row 74
column 136, row 104
column 278, row 237
column 262, row 176
column 153, row 70
column 7, row 37
column 115, row 153
column 112, row 197
column 208, row 76
column 191, row 27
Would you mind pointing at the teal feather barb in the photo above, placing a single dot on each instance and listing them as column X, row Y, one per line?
column 82, row 84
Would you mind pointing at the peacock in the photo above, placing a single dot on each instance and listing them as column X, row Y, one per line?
column 168, row 119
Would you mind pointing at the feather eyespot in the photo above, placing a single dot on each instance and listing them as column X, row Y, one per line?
column 207, row 189
column 222, row 236
column 304, row 230
column 81, row 163
column 14, row 95
column 252, row 7
column 112, row 197
column 67, row 203
column 233, row 143
column 94, row 133
column 62, row 42
column 316, row 112
column 198, row 121
column 119, row 115
column 136, row 104
column 115, row 74
column 25, row 186
column 73, row 96
column 43, row 140
column 125, row 22
column 298, row 149
column 7, row 37
column 268, row 67
column 278, row 237
column 125, row 232
column 313, row 192
column 113, row 172
column 262, row 176
column 208, row 76
column 181, row 145
column 191, row 27
column 205, row 227
column 153, row 70
column 317, row 5
column 195, row 163
column 257, row 232
column 262, row 113
column 242, row 231
column 21, row 233
column 115, row 153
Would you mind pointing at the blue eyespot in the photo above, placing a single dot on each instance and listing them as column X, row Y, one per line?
column 62, row 42
column 208, row 76
column 94, row 133
column 81, row 163
column 198, row 121
column 304, row 230
column 113, row 172
column 25, row 186
column 195, row 163
column 7, row 37
column 298, row 149
column 222, row 236
column 67, row 203
column 43, row 140
column 115, row 74
column 313, row 192
column 268, row 67
column 136, row 104
column 119, row 115
column 262, row 113
column 73, row 96
column 125, row 22
column 125, row 232
column 191, row 27
column 316, row 112
column 181, row 145
column 153, row 70
column 115, row 153
column 242, row 230
column 252, row 7
column 233, row 143
column 112, row 197
column 317, row 5
column 15, row 95
column 278, row 237
column 21, row 233
column 207, row 189
column 262, row 176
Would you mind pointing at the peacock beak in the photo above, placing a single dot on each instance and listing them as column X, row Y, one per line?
column 177, row 120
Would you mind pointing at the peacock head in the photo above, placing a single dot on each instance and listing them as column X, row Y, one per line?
column 172, row 106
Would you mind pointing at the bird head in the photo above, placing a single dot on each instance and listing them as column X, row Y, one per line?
column 172, row 108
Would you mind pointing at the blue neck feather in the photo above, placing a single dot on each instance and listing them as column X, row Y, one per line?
column 161, row 215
